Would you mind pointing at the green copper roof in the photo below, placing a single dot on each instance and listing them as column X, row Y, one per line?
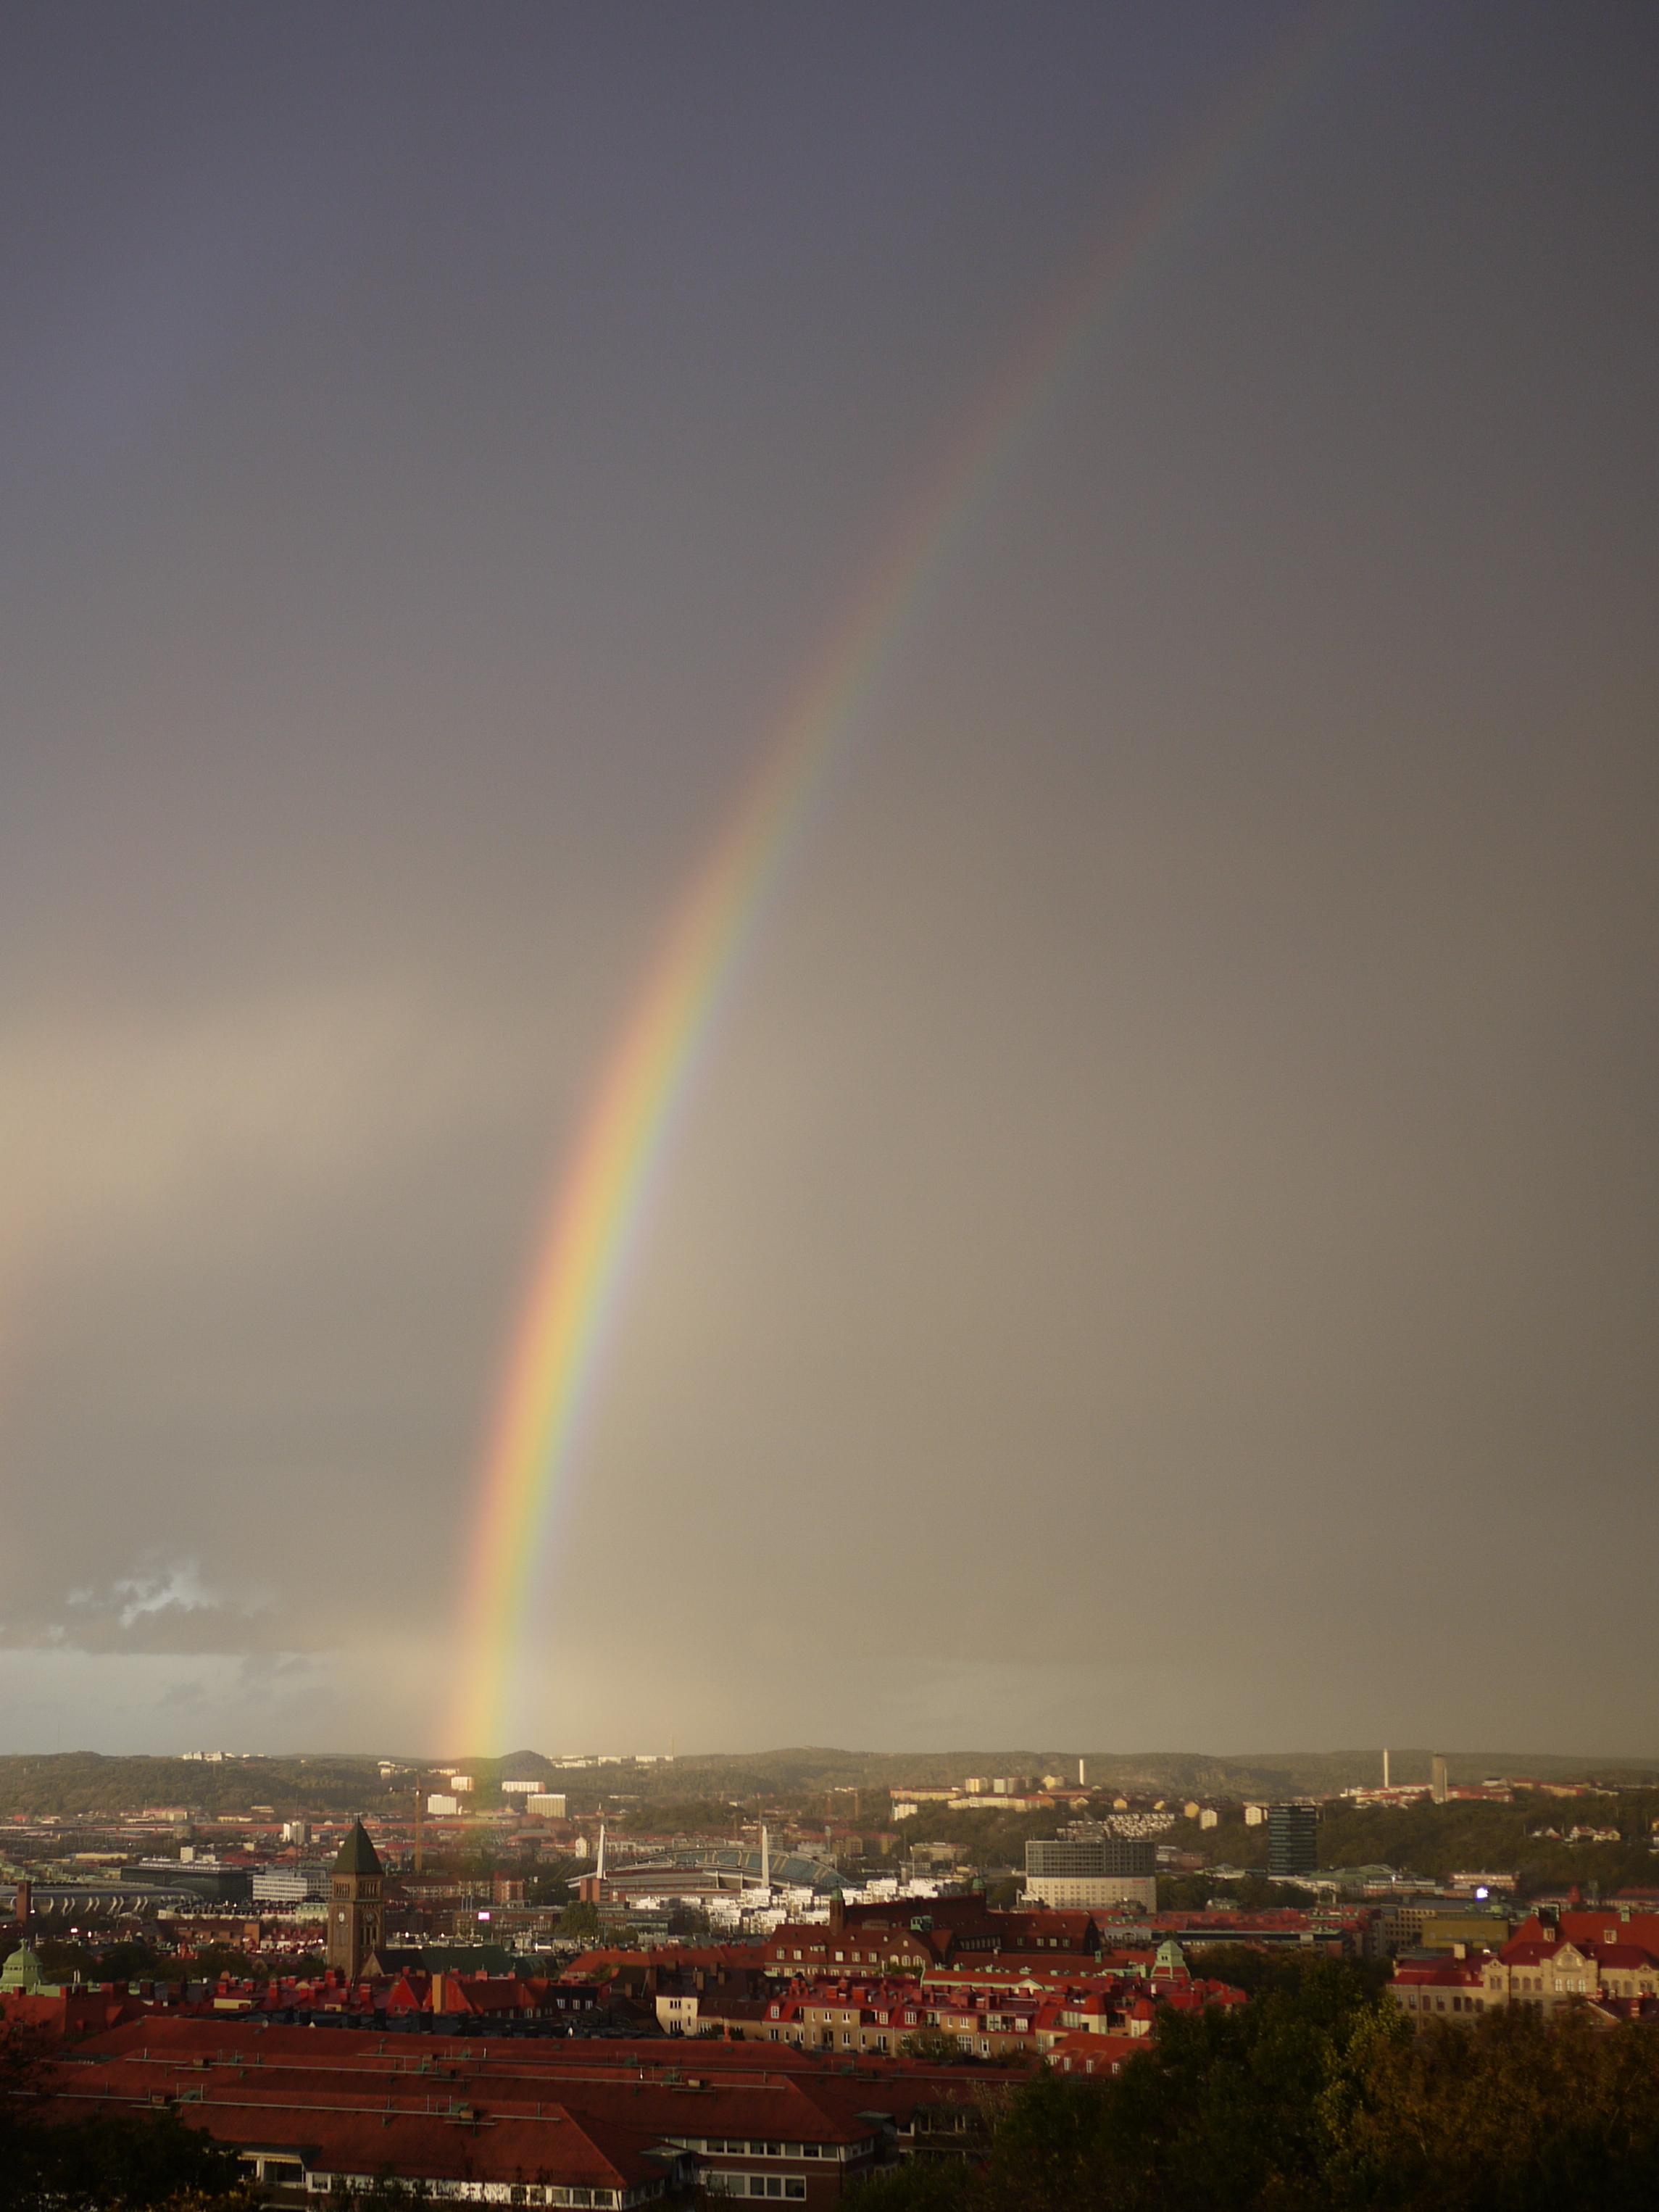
column 21, row 1972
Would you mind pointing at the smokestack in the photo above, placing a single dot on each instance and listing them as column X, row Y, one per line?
column 766, row 1858
column 1082, row 1778
column 1385, row 1770
column 599, row 1867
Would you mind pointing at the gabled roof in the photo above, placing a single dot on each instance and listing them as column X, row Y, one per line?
column 1626, row 1957
column 356, row 1854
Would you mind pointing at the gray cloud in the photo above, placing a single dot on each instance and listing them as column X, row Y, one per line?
column 1161, row 1248
column 162, row 1606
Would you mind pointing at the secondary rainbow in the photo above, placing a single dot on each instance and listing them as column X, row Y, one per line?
column 603, row 1190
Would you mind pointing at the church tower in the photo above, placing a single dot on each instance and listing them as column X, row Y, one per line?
column 356, row 1906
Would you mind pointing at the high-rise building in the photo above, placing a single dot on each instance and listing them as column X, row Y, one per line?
column 1293, row 1839
column 1076, row 1872
column 1439, row 1780
column 356, row 1907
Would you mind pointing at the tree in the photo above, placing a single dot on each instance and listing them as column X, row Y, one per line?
column 133, row 1960
column 933, row 2045
column 126, row 2159
column 1319, row 2096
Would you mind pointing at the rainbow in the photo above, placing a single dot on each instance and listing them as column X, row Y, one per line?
column 602, row 1196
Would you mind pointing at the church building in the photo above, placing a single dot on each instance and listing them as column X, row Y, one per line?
column 356, row 1906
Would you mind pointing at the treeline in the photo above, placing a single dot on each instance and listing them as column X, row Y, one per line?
column 1317, row 2097
column 88, row 2164
column 84, row 1784
column 1441, row 1839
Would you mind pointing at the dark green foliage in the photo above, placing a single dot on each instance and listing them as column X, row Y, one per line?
column 1259, row 1972
column 1440, row 1839
column 936, row 2048
column 76, row 1784
column 116, row 2161
column 112, row 2160
column 133, row 1960
column 1318, row 2098
column 63, row 1962
column 550, row 1882
column 929, row 2185
column 709, row 1817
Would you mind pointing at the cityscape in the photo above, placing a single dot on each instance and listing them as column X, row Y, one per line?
column 842, row 1973
column 828, row 1086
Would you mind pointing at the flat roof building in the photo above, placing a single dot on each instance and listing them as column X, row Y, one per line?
column 1077, row 1872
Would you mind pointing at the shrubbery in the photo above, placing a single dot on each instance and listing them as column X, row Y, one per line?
column 1317, row 2097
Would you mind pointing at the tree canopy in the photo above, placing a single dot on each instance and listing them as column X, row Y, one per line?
column 1318, row 2097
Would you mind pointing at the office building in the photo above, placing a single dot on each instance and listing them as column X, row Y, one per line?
column 1078, row 1873
column 1293, row 1839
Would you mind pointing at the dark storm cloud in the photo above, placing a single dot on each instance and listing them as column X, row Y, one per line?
column 1161, row 1248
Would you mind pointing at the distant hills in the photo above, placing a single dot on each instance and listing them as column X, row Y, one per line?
column 73, row 1784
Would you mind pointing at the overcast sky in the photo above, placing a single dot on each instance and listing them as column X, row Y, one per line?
column 1162, row 1252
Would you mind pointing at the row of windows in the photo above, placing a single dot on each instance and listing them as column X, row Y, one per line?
column 738, row 2147
column 871, row 1958
column 745, row 2147
column 753, row 2184
column 493, row 2192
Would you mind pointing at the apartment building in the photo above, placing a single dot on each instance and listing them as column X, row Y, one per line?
column 1594, row 1961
